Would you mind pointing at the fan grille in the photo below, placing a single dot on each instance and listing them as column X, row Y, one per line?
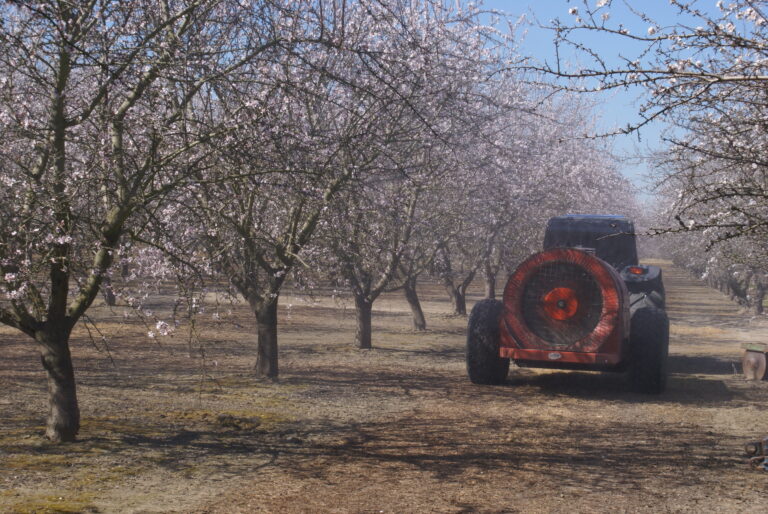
column 561, row 303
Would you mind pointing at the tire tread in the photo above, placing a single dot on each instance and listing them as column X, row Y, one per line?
column 484, row 366
column 649, row 347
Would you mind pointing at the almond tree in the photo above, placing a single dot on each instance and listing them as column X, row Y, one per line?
column 418, row 255
column 93, row 97
column 366, row 235
column 257, row 226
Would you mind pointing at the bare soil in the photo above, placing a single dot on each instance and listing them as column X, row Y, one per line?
column 395, row 429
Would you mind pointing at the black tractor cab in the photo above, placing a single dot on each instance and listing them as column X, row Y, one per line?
column 611, row 238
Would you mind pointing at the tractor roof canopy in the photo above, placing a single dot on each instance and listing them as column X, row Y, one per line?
column 612, row 237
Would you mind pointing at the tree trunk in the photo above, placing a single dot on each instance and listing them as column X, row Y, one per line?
column 409, row 288
column 490, row 282
column 363, row 308
column 63, row 421
column 460, row 301
column 266, row 350
column 759, row 297
column 108, row 292
column 457, row 299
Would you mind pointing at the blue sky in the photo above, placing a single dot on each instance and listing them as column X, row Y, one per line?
column 617, row 107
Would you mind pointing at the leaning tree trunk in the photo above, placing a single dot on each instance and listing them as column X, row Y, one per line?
column 490, row 282
column 460, row 301
column 457, row 300
column 363, row 312
column 266, row 346
column 458, row 306
column 409, row 288
column 63, row 421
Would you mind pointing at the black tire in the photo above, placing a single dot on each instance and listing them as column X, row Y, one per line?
column 648, row 347
column 484, row 366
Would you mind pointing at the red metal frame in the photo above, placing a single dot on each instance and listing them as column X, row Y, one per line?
column 601, row 347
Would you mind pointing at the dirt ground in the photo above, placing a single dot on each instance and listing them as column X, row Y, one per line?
column 395, row 429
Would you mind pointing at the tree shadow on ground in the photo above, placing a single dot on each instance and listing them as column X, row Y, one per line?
column 592, row 455
column 701, row 364
column 681, row 389
column 147, row 443
column 445, row 352
column 589, row 455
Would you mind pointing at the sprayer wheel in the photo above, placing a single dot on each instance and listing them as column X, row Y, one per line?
column 484, row 365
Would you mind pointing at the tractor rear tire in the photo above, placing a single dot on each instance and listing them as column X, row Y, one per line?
column 484, row 365
column 648, row 347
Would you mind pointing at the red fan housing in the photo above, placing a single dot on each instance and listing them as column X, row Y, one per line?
column 565, row 308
